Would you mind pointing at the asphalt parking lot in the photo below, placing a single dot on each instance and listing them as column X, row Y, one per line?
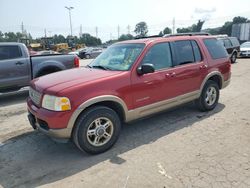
column 178, row 148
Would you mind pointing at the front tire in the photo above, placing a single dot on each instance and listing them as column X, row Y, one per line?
column 97, row 130
column 209, row 97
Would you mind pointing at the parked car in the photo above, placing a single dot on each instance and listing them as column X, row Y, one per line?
column 90, row 52
column 245, row 49
column 128, row 81
column 46, row 52
column 18, row 67
column 77, row 52
column 232, row 46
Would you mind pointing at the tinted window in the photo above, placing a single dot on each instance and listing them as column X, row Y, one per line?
column 215, row 48
column 159, row 55
column 9, row 52
column 197, row 53
column 234, row 41
column 227, row 43
column 184, row 52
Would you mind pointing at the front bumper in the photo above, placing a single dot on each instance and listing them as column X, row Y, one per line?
column 48, row 121
column 244, row 54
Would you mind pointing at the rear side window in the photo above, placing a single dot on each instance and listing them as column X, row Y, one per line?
column 197, row 53
column 227, row 43
column 215, row 48
column 10, row 52
column 159, row 55
column 234, row 41
column 184, row 52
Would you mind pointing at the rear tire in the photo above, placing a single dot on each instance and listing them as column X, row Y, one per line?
column 97, row 130
column 209, row 97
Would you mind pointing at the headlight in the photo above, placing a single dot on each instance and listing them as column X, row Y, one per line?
column 56, row 103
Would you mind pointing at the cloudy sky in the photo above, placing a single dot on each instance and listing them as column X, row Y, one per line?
column 37, row 15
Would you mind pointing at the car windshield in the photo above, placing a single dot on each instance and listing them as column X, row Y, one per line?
column 245, row 45
column 118, row 57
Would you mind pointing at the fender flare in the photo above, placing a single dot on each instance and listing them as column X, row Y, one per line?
column 92, row 101
column 211, row 74
column 48, row 65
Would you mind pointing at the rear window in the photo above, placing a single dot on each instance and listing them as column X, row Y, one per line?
column 215, row 48
column 10, row 52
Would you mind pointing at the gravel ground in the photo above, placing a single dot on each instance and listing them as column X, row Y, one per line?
column 179, row 148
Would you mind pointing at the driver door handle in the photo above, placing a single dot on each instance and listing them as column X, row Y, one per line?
column 19, row 63
column 169, row 75
column 203, row 66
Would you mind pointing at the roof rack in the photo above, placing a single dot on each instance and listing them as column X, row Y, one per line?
column 187, row 34
column 145, row 37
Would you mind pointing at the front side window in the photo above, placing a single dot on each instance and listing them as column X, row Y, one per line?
column 184, row 52
column 215, row 48
column 10, row 52
column 118, row 57
column 159, row 55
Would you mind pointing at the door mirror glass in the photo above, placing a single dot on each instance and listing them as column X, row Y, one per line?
column 145, row 69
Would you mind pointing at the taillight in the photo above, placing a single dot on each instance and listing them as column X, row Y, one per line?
column 76, row 62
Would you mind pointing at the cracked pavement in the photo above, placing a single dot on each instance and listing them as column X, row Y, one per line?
column 178, row 148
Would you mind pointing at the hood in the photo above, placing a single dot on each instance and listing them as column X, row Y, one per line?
column 55, row 82
column 244, row 49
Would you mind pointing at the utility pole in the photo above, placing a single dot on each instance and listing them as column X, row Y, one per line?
column 96, row 32
column 80, row 34
column 128, row 29
column 22, row 28
column 118, row 31
column 69, row 9
column 173, row 30
column 45, row 33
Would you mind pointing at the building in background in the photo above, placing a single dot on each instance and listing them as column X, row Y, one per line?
column 241, row 31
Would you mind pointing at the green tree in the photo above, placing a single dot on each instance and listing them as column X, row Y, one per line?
column 59, row 39
column 165, row 31
column 1, row 37
column 126, row 37
column 194, row 28
column 141, row 29
column 240, row 19
column 184, row 30
column 89, row 40
column 227, row 27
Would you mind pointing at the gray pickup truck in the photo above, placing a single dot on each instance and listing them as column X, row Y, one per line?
column 17, row 67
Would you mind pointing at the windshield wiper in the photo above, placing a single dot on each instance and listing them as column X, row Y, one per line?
column 101, row 67
column 89, row 66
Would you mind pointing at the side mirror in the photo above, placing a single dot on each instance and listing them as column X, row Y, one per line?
column 145, row 69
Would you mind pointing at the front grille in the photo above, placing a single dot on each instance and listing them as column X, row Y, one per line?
column 35, row 96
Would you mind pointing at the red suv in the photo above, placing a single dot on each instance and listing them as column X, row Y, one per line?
column 129, row 80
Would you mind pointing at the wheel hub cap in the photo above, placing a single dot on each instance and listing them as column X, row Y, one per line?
column 211, row 95
column 100, row 131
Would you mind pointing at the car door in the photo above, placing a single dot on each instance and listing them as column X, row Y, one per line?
column 14, row 68
column 189, row 66
column 159, row 85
